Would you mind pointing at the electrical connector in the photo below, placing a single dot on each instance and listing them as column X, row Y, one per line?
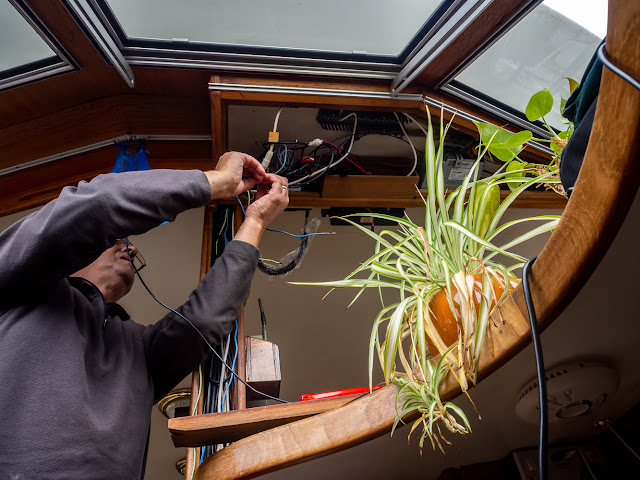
column 267, row 158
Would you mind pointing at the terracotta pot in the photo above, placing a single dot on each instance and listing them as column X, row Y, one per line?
column 445, row 319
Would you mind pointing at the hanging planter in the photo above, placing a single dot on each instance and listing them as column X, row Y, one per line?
column 448, row 281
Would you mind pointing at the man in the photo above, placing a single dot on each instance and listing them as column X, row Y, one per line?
column 78, row 379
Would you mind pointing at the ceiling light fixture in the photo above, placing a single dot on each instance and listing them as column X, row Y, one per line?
column 574, row 390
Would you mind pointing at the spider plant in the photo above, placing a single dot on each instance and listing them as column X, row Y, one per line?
column 450, row 263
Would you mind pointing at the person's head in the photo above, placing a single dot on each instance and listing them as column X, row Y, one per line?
column 112, row 272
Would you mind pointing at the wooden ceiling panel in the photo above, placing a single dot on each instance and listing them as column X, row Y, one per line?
column 62, row 131
column 100, row 120
column 36, row 186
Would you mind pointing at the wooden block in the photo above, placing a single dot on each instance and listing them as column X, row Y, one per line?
column 263, row 368
column 370, row 186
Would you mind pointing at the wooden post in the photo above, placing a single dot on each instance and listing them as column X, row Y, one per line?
column 196, row 382
column 241, row 390
column 218, row 124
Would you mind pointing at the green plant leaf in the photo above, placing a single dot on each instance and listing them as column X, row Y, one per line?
column 516, row 140
column 539, row 105
column 572, row 84
column 515, row 169
column 500, row 142
column 485, row 203
column 490, row 133
column 563, row 103
column 393, row 340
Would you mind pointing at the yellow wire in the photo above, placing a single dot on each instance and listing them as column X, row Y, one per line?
column 193, row 412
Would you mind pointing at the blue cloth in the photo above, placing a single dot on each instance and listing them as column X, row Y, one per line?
column 128, row 160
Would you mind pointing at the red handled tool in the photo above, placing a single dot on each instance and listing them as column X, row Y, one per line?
column 336, row 393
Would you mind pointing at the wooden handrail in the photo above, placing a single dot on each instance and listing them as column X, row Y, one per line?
column 606, row 186
column 226, row 427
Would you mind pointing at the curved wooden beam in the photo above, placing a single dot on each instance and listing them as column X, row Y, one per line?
column 603, row 194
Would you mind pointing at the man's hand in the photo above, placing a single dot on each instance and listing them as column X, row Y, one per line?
column 235, row 173
column 272, row 199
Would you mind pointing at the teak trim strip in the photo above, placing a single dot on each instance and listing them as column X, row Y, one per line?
column 225, row 427
column 603, row 194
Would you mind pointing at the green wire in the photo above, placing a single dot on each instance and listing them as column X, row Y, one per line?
column 226, row 213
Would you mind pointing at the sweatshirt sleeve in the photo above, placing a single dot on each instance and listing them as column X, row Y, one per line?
column 173, row 347
column 70, row 232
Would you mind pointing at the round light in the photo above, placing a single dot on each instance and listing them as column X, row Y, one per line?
column 575, row 409
column 573, row 390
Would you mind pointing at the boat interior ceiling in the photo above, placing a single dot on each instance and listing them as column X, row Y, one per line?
column 187, row 81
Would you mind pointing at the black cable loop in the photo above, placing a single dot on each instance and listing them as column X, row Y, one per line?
column 302, row 249
column 542, row 380
column 615, row 69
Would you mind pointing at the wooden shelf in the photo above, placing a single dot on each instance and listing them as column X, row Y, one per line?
column 528, row 199
column 227, row 427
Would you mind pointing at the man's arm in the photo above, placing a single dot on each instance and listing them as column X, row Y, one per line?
column 73, row 230
column 70, row 232
column 174, row 348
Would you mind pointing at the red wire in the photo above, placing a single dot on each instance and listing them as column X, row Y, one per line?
column 358, row 166
column 347, row 158
column 370, row 211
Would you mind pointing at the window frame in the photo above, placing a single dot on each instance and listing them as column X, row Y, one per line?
column 470, row 95
column 264, row 59
column 59, row 63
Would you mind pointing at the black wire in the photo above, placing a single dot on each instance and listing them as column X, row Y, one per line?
column 618, row 71
column 302, row 248
column 199, row 333
column 542, row 380
column 312, row 174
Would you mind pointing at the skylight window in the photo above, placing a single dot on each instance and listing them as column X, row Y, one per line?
column 367, row 39
column 371, row 28
column 557, row 39
column 26, row 52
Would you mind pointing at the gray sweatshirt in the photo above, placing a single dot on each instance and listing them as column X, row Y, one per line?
column 75, row 393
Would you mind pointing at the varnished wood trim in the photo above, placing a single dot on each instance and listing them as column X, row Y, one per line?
column 528, row 199
column 101, row 120
column 226, row 427
column 219, row 121
column 38, row 185
column 241, row 389
column 477, row 34
column 193, row 454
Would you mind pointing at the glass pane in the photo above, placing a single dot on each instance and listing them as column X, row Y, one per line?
column 375, row 27
column 19, row 42
column 538, row 52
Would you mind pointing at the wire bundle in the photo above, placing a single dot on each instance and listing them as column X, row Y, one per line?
column 219, row 384
column 304, row 164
